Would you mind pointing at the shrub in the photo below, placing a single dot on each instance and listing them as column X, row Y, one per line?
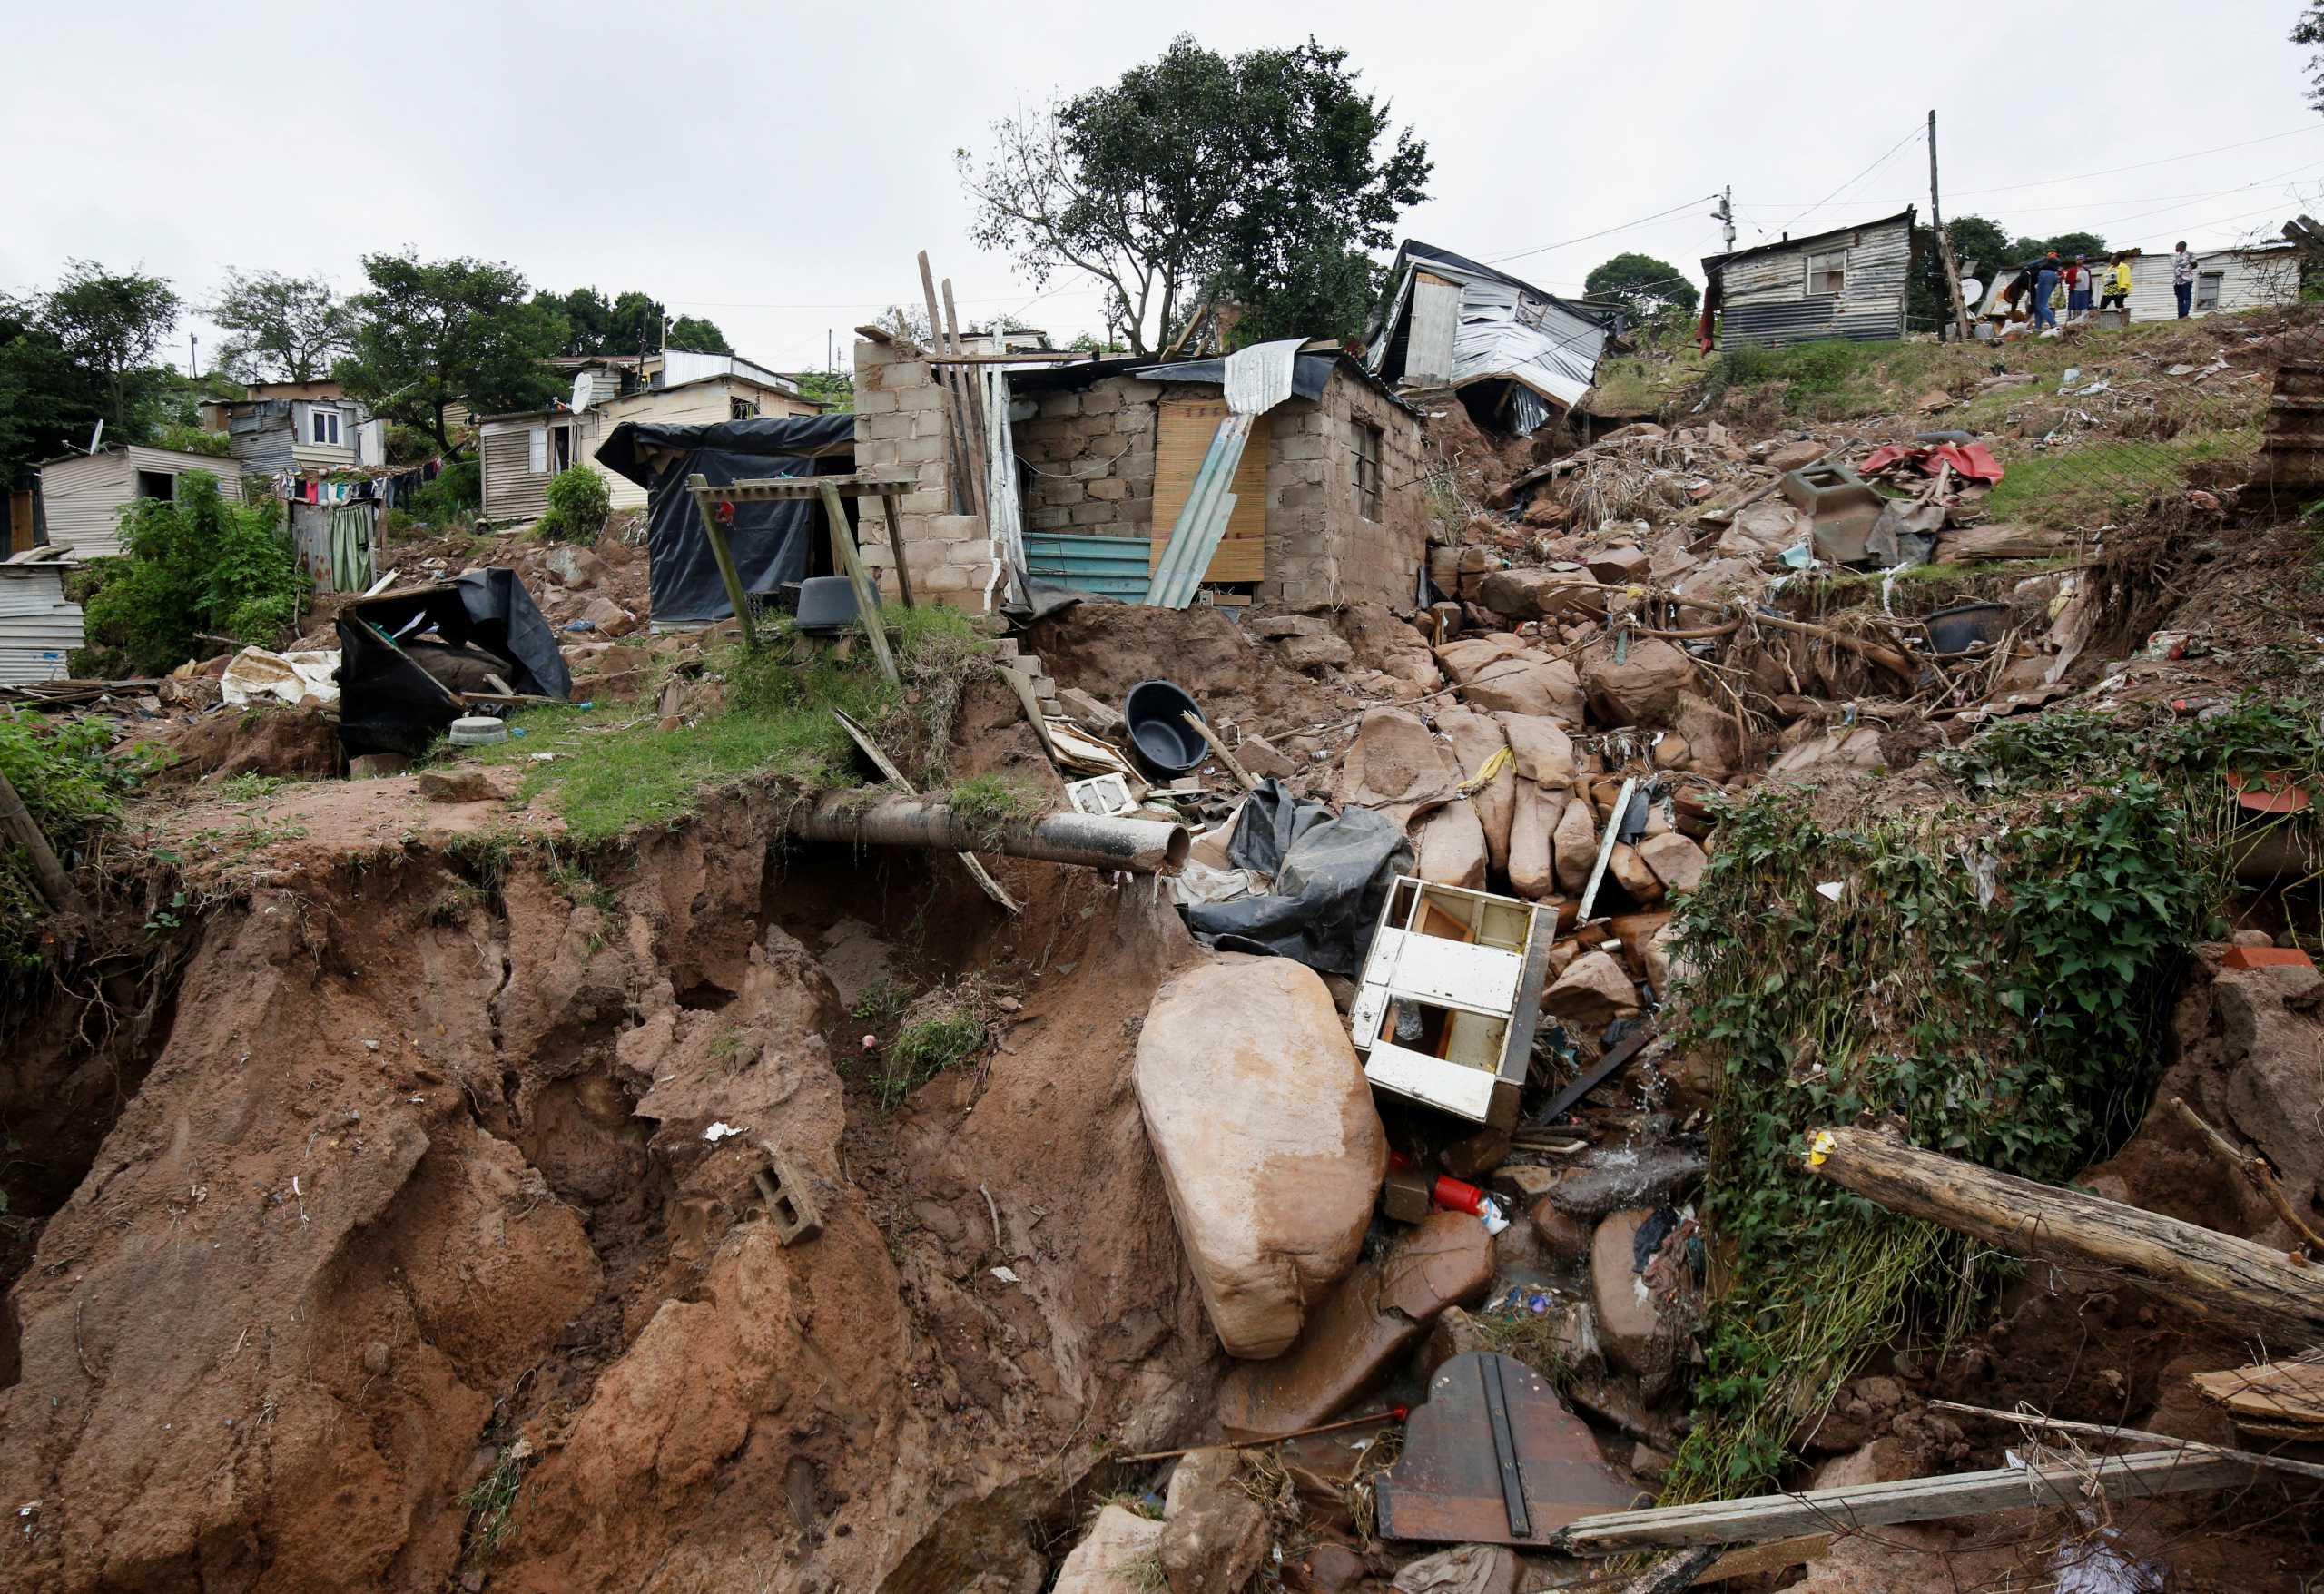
column 456, row 494
column 579, row 503
column 73, row 787
column 197, row 563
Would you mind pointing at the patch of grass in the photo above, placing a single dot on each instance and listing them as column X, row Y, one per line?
column 491, row 1501
column 951, row 1025
column 1535, row 1339
column 883, row 1001
column 2093, row 483
column 481, row 858
column 251, row 786
column 777, row 724
column 993, row 805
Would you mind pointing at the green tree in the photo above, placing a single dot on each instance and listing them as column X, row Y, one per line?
column 579, row 503
column 111, row 323
column 1978, row 248
column 2310, row 30
column 1643, row 287
column 1257, row 176
column 627, row 323
column 285, row 329
column 47, row 402
column 194, row 563
column 835, row 390
column 434, row 333
column 697, row 336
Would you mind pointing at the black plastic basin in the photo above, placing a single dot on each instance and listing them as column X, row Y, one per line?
column 1165, row 745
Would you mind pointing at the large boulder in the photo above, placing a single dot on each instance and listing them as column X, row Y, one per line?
column 1760, row 529
column 1370, row 1323
column 1117, row 1558
column 1270, row 1147
column 1542, row 750
column 1497, row 671
column 1677, row 862
column 1396, row 766
column 1712, row 747
column 1451, row 847
column 1642, row 687
column 1475, row 739
column 1533, row 870
column 1543, row 595
column 1630, row 1320
column 1593, row 991
column 1574, row 843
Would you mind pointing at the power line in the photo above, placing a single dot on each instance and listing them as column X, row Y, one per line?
column 1916, row 132
column 1544, row 249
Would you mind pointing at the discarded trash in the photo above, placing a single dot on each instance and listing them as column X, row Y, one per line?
column 477, row 731
column 719, row 1131
column 1830, row 890
column 1007, row 1275
column 1163, row 742
column 788, row 1204
column 1332, row 874
column 255, row 672
column 1957, row 629
column 1105, row 795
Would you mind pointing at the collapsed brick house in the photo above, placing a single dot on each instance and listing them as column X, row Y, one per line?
column 1328, row 509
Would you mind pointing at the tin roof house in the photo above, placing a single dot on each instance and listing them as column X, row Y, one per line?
column 1849, row 282
column 1515, row 353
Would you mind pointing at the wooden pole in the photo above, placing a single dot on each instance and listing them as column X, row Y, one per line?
column 2219, row 1276
column 1945, row 241
column 867, row 596
column 2131, row 1435
column 893, row 508
column 49, row 878
column 2255, row 1172
column 1234, row 764
column 964, row 443
column 727, row 572
column 970, row 380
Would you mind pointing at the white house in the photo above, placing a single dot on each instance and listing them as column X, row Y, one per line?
column 82, row 495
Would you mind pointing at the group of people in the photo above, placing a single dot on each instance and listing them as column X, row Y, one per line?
column 2111, row 284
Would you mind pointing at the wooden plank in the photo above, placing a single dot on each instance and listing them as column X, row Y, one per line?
column 1909, row 1500
column 867, row 596
column 705, row 506
column 893, row 507
column 787, row 490
column 1183, row 430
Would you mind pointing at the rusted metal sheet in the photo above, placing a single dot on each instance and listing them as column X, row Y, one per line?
column 1494, row 1458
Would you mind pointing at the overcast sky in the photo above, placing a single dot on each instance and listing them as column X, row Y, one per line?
column 775, row 167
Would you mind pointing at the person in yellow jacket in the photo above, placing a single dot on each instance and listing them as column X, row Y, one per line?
column 2118, row 287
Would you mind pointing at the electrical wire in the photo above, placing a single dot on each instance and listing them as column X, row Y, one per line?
column 1918, row 130
column 1626, row 226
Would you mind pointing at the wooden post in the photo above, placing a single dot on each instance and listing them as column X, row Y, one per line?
column 2219, row 1276
column 894, row 509
column 699, row 487
column 972, row 383
column 867, row 596
column 1234, row 764
column 1945, row 241
column 968, row 446
column 16, row 822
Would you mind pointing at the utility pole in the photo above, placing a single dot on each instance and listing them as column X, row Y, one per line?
column 1945, row 241
column 1725, row 215
column 193, row 355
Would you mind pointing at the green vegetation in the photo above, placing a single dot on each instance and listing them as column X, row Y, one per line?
column 453, row 497
column 1995, row 977
column 188, row 439
column 71, row 784
column 195, row 564
column 432, row 334
column 777, row 724
column 280, row 328
column 924, row 1049
column 82, row 352
column 579, row 500
column 992, row 806
column 1643, row 287
column 491, row 1501
column 2102, row 481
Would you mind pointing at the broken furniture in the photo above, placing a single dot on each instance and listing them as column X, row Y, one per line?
column 413, row 661
column 1450, row 997
column 1840, row 503
column 1494, row 1458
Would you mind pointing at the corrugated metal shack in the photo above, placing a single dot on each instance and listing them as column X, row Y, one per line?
column 1516, row 354
column 38, row 628
column 1849, row 283
column 82, row 495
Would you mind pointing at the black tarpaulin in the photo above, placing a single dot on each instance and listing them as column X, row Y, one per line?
column 775, row 545
column 389, row 704
column 1332, row 873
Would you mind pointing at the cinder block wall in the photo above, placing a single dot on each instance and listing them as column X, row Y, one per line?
column 1091, row 454
column 1321, row 549
column 901, row 424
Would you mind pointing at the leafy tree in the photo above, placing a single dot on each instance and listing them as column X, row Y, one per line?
column 835, row 389
column 697, row 336
column 47, row 403
column 434, row 333
column 1256, row 176
column 1642, row 286
column 1979, row 248
column 2022, row 250
column 2310, row 30
column 285, row 328
column 196, row 562
column 1323, row 290
column 111, row 323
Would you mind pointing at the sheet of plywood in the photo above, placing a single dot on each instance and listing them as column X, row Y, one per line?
column 1183, row 429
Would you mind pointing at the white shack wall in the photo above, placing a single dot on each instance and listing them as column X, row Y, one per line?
column 38, row 629
column 2250, row 282
column 83, row 498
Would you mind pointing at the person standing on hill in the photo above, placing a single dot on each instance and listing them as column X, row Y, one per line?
column 2118, row 287
column 2045, row 283
column 2183, row 266
column 2078, row 287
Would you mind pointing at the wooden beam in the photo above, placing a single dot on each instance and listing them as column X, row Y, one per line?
column 706, row 504
column 2131, row 1436
column 1234, row 764
column 17, row 824
column 893, row 506
column 1910, row 1500
column 867, row 596
column 2223, row 1278
column 786, row 490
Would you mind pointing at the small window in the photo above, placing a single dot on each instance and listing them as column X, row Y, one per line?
column 1827, row 271
column 1367, row 469
column 156, row 484
column 2207, row 287
column 323, row 427
column 742, row 409
column 536, row 453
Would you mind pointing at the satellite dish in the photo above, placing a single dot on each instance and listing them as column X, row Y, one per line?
column 1972, row 291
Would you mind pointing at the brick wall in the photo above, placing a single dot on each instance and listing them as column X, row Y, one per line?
column 901, row 424
column 1321, row 549
column 1092, row 459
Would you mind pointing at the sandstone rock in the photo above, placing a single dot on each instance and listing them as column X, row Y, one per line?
column 1591, row 993
column 1563, row 1234
column 1269, row 1145
column 1529, row 1180
column 1259, row 756
column 1367, row 1326
column 1312, row 654
column 1450, row 847
column 1617, row 566
column 2272, row 1092
column 1540, row 749
column 1760, row 529
column 1474, row 564
column 1709, row 735
column 1475, row 739
column 1396, row 765
column 1530, row 864
column 1722, row 578
column 1454, row 1333
column 1629, row 870
column 1475, row 1158
column 1669, row 751
column 1537, row 685
column 1334, row 1569
column 1648, row 1465
column 1542, row 594
column 1628, row 1316
column 1575, row 844
column 1833, row 751
column 1677, row 862
column 1659, row 952
column 1643, row 689
column 1117, row 1558
column 1214, row 1534
column 1472, row 1569
column 1886, row 1459
column 1796, row 456
column 608, row 617
column 573, row 566
column 461, row 783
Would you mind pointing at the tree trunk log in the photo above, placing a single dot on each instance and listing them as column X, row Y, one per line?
column 2219, row 1276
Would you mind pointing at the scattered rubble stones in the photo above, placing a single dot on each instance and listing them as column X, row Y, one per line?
column 1591, row 993
column 1476, row 738
column 1546, row 592
column 461, row 783
column 1642, row 688
column 1676, row 861
column 1796, row 456
column 1270, row 1147
column 1563, row 1235
column 1576, row 846
column 1396, row 765
column 1214, row 1533
column 1114, row 1559
column 1541, row 750
column 1530, row 864
column 1451, row 850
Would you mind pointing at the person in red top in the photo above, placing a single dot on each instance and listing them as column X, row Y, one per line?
column 2078, row 286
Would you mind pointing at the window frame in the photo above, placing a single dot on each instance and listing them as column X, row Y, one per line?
column 2217, row 282
column 1808, row 260
column 1371, row 442
column 147, row 477
column 316, row 417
